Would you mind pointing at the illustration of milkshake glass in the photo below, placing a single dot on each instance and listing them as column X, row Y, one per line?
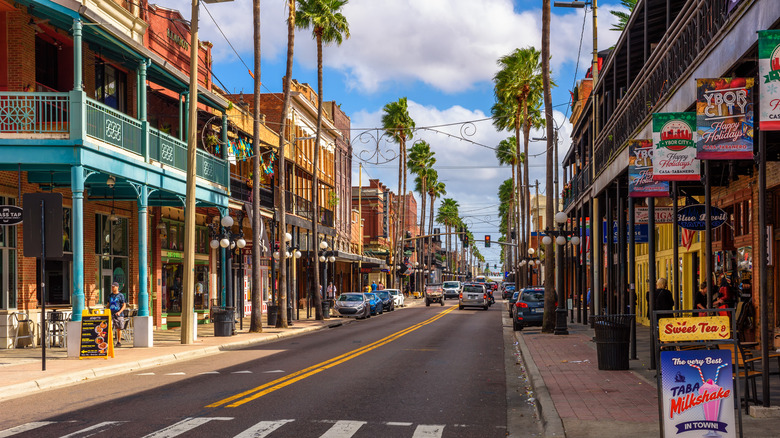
column 712, row 407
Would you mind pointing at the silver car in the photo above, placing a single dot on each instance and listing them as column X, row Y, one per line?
column 353, row 304
column 473, row 295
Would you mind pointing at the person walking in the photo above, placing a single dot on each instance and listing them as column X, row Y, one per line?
column 664, row 300
column 373, row 286
column 117, row 304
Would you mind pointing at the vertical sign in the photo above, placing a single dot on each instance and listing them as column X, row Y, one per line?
column 674, row 151
column 640, row 171
column 724, row 119
column 769, row 79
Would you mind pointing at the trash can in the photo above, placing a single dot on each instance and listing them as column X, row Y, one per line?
column 326, row 309
column 223, row 321
column 272, row 316
column 613, row 336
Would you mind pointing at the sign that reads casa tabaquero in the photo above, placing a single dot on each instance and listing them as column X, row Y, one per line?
column 10, row 215
column 674, row 149
column 640, row 171
column 693, row 218
column 769, row 79
column 724, row 119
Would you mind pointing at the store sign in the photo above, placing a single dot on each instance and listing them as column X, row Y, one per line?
column 724, row 119
column 640, row 171
column 640, row 233
column 10, row 215
column 697, row 393
column 769, row 79
column 178, row 40
column 693, row 217
column 699, row 328
column 663, row 215
column 674, row 153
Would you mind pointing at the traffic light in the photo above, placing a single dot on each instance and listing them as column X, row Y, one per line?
column 487, row 241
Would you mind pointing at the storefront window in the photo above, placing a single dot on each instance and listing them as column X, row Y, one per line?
column 8, row 262
column 173, row 238
column 111, row 248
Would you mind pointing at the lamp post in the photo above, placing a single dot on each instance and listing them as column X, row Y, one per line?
column 224, row 237
column 561, row 236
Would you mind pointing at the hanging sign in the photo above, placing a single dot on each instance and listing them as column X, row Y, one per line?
column 769, row 79
column 640, row 171
column 693, row 218
column 10, row 215
column 724, row 119
column 640, row 232
column 674, row 149
column 697, row 328
column 663, row 215
column 697, row 393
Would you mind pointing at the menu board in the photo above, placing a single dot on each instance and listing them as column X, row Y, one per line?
column 96, row 334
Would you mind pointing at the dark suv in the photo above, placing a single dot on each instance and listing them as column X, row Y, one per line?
column 528, row 310
column 508, row 290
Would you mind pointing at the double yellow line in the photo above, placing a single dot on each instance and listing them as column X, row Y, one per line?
column 257, row 392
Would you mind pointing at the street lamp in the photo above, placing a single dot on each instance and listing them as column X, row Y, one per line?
column 561, row 236
column 222, row 236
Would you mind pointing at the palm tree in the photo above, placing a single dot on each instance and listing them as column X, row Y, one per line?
column 399, row 126
column 506, row 153
column 533, row 120
column 328, row 26
column 436, row 189
column 548, row 322
column 506, row 197
column 421, row 159
column 255, row 320
column 623, row 17
column 448, row 216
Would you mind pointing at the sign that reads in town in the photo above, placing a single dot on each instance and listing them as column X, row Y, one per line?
column 699, row 328
column 693, row 217
column 697, row 391
column 769, row 79
column 10, row 215
column 724, row 119
column 640, row 171
column 674, row 153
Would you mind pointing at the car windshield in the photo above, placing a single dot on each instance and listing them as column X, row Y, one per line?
column 393, row 292
column 384, row 295
column 371, row 296
column 350, row 297
column 533, row 295
column 451, row 285
column 514, row 297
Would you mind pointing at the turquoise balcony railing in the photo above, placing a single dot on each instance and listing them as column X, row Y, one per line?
column 167, row 150
column 34, row 113
column 113, row 127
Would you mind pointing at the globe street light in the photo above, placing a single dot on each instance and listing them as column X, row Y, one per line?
column 561, row 237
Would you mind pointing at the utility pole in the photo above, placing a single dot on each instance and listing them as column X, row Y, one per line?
column 360, row 221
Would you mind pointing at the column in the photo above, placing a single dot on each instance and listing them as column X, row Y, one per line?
column 143, row 325
column 142, row 109
column 77, row 104
column 77, row 299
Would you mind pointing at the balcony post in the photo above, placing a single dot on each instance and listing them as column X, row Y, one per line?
column 225, row 146
column 77, row 100
column 142, row 110
column 143, row 323
column 77, row 187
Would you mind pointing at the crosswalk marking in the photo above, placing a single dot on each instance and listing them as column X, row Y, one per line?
column 184, row 426
column 100, row 427
column 343, row 429
column 262, row 429
column 241, row 372
column 210, row 372
column 176, row 374
column 24, row 428
column 273, row 371
column 145, row 374
column 428, row 431
column 397, row 423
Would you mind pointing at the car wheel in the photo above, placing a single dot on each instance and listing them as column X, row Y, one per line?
column 484, row 307
column 460, row 307
column 427, row 303
column 441, row 302
column 515, row 326
column 381, row 310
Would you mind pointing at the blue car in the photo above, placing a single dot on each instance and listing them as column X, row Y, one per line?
column 375, row 303
column 529, row 308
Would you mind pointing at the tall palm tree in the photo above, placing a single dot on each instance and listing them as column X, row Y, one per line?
column 436, row 189
column 399, row 126
column 421, row 160
column 448, row 216
column 506, row 153
column 255, row 320
column 548, row 321
column 623, row 17
column 328, row 26
column 533, row 120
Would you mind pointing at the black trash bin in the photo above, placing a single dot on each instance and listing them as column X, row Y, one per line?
column 326, row 309
column 613, row 336
column 272, row 316
column 223, row 321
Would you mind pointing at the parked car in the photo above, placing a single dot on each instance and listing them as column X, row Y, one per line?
column 434, row 293
column 509, row 289
column 473, row 295
column 512, row 301
column 352, row 304
column 387, row 300
column 528, row 310
column 375, row 303
column 452, row 289
column 398, row 297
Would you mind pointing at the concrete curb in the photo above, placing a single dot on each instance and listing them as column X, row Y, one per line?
column 551, row 421
column 68, row 379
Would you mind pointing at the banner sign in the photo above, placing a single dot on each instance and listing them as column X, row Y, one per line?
column 663, row 215
column 697, row 328
column 640, row 171
column 769, row 79
column 674, row 149
column 697, row 393
column 693, row 218
column 640, row 232
column 724, row 119
column 96, row 334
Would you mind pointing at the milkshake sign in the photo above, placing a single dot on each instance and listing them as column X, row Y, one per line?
column 697, row 393
column 674, row 148
column 724, row 119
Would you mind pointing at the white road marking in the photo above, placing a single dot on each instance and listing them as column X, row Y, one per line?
column 428, row 431
column 100, row 427
column 397, row 423
column 184, row 426
column 175, row 374
column 24, row 428
column 274, row 371
column 262, row 429
column 145, row 374
column 210, row 372
column 241, row 372
column 343, row 429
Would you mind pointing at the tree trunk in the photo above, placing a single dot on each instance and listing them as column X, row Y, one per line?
column 548, row 323
column 315, row 204
column 256, row 322
column 518, row 206
column 526, row 193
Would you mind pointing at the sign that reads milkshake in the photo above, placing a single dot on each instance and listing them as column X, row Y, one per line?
column 640, row 171
column 697, row 393
column 769, row 79
column 674, row 153
column 724, row 119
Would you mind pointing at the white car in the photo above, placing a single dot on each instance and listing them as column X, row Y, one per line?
column 398, row 297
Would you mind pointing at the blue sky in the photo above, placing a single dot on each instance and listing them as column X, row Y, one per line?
column 440, row 54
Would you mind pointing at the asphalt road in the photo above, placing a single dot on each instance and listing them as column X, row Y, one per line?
column 419, row 372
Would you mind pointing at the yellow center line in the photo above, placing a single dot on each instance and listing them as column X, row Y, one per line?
column 289, row 379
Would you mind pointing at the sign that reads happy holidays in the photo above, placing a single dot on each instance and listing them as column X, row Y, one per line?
column 640, row 171
column 724, row 119
column 674, row 148
column 697, row 393
column 769, row 79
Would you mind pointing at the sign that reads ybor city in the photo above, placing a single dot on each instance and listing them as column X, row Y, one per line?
column 769, row 79
column 10, row 215
column 640, row 171
column 724, row 119
column 674, row 156
column 693, row 217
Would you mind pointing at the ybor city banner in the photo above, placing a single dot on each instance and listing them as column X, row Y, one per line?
column 769, row 79
column 724, row 119
column 674, row 148
column 640, row 171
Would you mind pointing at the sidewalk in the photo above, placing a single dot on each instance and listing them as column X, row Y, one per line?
column 21, row 374
column 577, row 400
